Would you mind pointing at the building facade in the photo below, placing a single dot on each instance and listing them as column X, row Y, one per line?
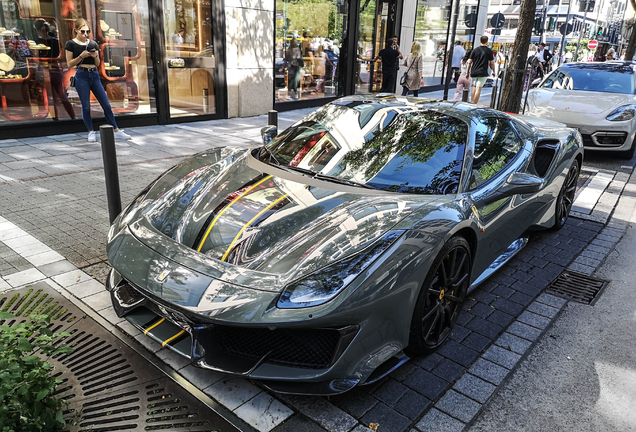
column 166, row 61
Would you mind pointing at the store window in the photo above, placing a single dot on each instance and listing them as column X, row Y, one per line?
column 431, row 29
column 190, row 57
column 34, row 76
column 309, row 36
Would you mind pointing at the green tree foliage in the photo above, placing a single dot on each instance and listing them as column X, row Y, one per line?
column 27, row 403
column 308, row 15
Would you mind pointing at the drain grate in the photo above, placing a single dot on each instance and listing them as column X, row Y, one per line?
column 107, row 385
column 577, row 287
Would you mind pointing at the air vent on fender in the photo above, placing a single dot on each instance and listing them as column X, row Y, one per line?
column 544, row 156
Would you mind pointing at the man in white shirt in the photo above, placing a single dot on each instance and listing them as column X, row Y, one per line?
column 458, row 54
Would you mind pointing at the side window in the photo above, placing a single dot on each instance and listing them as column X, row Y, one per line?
column 496, row 144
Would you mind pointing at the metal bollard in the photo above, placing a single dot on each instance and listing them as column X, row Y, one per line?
column 493, row 96
column 109, row 155
column 465, row 94
column 272, row 118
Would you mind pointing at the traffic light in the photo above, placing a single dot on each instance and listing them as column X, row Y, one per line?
column 538, row 25
column 600, row 31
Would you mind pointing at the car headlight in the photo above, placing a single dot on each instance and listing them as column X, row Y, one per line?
column 626, row 112
column 326, row 283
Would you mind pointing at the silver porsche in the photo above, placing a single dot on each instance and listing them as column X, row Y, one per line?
column 325, row 258
column 598, row 99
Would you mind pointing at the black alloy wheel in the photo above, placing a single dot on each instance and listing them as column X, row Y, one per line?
column 441, row 298
column 566, row 197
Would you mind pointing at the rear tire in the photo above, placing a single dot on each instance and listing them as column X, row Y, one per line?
column 441, row 297
column 566, row 196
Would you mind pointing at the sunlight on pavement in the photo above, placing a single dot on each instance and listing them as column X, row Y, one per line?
column 617, row 397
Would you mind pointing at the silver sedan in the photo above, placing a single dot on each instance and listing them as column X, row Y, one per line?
column 598, row 99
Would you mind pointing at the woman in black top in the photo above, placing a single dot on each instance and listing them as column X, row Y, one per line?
column 83, row 54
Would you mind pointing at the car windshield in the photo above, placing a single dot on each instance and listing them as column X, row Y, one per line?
column 602, row 77
column 417, row 152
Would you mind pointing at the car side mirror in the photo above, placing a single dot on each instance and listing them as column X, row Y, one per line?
column 521, row 183
column 535, row 83
column 268, row 133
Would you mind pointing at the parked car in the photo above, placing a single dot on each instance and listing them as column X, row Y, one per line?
column 323, row 259
column 598, row 99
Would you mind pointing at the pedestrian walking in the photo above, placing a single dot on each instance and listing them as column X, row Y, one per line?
column 82, row 53
column 295, row 62
column 458, row 54
column 414, row 64
column 390, row 56
column 480, row 60
column 544, row 56
column 464, row 80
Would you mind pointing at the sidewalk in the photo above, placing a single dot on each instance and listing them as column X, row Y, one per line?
column 53, row 225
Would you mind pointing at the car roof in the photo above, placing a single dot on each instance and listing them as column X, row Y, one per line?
column 608, row 65
column 462, row 110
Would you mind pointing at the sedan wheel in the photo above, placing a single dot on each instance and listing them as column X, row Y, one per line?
column 441, row 298
column 566, row 197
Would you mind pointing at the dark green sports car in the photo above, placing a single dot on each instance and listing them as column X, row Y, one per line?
column 323, row 259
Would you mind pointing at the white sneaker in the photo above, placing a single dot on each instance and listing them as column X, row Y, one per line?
column 92, row 137
column 122, row 135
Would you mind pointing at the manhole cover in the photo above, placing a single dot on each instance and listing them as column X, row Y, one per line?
column 109, row 386
column 577, row 287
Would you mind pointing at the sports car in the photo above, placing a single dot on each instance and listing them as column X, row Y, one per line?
column 598, row 99
column 325, row 258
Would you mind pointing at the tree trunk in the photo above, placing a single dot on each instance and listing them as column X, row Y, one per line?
column 513, row 87
column 631, row 46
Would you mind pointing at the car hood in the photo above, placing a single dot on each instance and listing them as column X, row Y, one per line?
column 561, row 105
column 227, row 215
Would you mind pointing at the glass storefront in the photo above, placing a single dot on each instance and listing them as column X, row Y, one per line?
column 309, row 36
column 190, row 57
column 432, row 32
column 33, row 73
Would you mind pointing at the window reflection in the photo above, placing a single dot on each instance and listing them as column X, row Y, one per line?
column 601, row 78
column 309, row 36
column 496, row 144
column 33, row 72
column 400, row 149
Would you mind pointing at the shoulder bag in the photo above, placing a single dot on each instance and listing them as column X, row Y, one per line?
column 405, row 76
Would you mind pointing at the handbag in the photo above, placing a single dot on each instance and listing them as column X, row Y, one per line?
column 405, row 76
column 71, row 82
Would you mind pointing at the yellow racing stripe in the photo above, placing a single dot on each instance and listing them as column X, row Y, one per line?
column 207, row 232
column 250, row 223
column 172, row 338
column 154, row 325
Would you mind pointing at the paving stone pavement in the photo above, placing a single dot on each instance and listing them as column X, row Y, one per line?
column 53, row 225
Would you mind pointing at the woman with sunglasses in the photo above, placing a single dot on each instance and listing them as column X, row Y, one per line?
column 82, row 53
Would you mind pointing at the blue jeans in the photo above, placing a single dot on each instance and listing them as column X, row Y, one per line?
column 85, row 82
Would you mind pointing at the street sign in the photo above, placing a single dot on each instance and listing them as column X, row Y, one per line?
column 496, row 32
column 592, row 44
column 471, row 20
column 566, row 29
column 498, row 20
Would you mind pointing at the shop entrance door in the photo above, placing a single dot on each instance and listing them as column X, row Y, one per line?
column 376, row 23
column 189, row 56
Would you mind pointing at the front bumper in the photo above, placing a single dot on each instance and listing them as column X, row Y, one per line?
column 295, row 360
column 606, row 136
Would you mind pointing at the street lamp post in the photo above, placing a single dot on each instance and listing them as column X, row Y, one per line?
column 578, row 43
column 562, row 46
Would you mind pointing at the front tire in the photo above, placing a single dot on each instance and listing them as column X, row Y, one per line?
column 441, row 297
column 566, row 197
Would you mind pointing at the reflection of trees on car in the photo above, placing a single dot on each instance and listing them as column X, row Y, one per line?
column 409, row 140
